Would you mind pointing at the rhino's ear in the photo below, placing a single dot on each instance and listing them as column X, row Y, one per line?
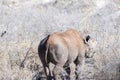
column 87, row 38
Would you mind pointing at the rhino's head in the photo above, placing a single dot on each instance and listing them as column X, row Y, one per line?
column 90, row 46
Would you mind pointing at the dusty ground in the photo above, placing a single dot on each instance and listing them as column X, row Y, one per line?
column 23, row 23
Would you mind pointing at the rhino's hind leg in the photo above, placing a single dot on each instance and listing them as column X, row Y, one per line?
column 56, row 72
column 47, row 72
column 68, row 71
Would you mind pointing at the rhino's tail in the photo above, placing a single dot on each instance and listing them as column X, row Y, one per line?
column 47, row 47
column 46, row 53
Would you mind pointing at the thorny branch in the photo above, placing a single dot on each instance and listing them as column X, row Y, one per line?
column 22, row 63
